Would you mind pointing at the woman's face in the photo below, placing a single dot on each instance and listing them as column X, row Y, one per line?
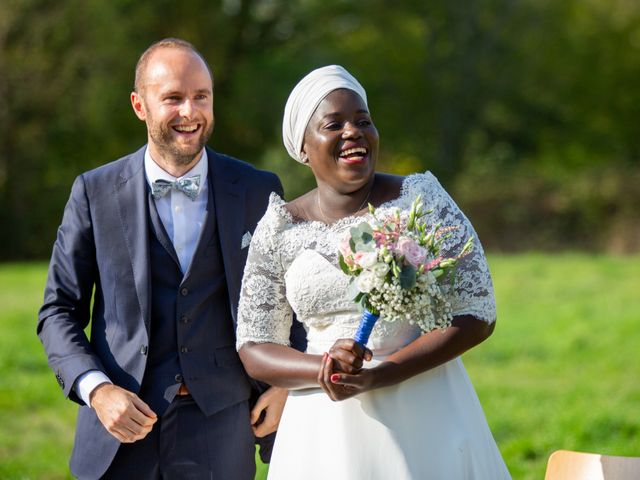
column 341, row 142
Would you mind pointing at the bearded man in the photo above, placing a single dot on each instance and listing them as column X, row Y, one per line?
column 151, row 249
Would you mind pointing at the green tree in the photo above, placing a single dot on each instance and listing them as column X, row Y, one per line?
column 506, row 101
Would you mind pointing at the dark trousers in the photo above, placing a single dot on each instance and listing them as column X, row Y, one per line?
column 185, row 444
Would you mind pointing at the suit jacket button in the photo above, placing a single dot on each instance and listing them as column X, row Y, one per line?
column 184, row 292
column 184, row 349
column 184, row 319
column 144, row 349
column 178, row 378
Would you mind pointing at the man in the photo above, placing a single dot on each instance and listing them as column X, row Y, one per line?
column 159, row 238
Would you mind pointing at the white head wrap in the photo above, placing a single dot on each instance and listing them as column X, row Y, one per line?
column 305, row 98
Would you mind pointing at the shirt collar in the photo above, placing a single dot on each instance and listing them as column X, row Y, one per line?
column 154, row 172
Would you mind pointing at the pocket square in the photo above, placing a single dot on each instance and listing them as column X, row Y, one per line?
column 246, row 240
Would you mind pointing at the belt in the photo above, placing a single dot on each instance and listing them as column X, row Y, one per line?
column 183, row 390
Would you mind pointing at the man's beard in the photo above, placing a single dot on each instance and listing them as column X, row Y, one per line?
column 165, row 143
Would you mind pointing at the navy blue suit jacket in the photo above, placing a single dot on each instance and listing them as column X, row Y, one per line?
column 101, row 254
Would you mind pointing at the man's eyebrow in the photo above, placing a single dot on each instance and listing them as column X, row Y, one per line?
column 179, row 92
column 166, row 93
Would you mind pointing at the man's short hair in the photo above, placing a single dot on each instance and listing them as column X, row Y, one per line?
column 170, row 42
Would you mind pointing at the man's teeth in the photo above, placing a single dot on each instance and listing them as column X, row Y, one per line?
column 186, row 128
column 351, row 151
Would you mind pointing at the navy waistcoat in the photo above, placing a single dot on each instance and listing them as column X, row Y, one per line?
column 191, row 339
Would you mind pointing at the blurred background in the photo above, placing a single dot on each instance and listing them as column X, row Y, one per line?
column 528, row 111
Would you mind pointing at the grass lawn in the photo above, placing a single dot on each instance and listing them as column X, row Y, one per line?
column 560, row 371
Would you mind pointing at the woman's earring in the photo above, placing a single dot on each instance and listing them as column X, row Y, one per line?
column 305, row 159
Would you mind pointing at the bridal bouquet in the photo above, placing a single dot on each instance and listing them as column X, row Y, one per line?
column 399, row 270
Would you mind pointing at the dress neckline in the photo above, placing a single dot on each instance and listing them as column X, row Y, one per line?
column 278, row 205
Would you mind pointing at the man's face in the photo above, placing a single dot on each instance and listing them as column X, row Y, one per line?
column 176, row 102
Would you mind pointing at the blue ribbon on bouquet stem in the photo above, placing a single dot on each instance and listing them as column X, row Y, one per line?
column 367, row 322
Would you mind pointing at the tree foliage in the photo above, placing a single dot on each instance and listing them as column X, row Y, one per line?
column 523, row 108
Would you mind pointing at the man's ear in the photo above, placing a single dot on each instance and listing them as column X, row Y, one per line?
column 138, row 107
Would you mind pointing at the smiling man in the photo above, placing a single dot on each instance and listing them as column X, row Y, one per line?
column 158, row 241
column 174, row 96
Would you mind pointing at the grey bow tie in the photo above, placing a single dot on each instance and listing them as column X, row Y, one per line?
column 189, row 186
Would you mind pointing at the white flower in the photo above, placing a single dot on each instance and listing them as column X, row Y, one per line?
column 366, row 281
column 366, row 259
column 429, row 277
column 380, row 270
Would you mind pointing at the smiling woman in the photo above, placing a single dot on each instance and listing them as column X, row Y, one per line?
column 341, row 147
column 404, row 409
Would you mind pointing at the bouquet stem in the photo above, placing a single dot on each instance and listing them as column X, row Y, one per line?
column 367, row 322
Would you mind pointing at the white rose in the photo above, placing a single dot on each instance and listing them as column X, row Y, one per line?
column 366, row 281
column 380, row 270
column 366, row 259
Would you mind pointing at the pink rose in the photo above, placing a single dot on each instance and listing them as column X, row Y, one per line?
column 347, row 254
column 413, row 253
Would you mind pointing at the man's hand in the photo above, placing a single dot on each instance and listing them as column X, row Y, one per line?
column 122, row 413
column 271, row 402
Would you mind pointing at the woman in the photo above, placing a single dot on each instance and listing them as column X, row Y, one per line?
column 404, row 409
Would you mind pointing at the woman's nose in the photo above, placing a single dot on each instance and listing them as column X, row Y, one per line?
column 351, row 130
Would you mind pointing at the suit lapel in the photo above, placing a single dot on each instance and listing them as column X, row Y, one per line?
column 229, row 199
column 131, row 194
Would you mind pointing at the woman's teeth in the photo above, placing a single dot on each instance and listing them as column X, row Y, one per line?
column 353, row 151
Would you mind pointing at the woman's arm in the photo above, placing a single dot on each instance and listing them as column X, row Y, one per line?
column 433, row 349
column 426, row 352
column 286, row 367
column 279, row 365
column 339, row 372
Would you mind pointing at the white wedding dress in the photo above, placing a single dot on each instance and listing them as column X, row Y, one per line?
column 430, row 426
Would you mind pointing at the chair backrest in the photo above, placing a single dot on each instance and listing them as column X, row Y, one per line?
column 567, row 465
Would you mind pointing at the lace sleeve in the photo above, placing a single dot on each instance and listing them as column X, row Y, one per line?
column 473, row 291
column 264, row 314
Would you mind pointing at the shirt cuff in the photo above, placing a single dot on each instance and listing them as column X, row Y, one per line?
column 87, row 382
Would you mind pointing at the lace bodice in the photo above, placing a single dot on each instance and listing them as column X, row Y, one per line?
column 292, row 266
